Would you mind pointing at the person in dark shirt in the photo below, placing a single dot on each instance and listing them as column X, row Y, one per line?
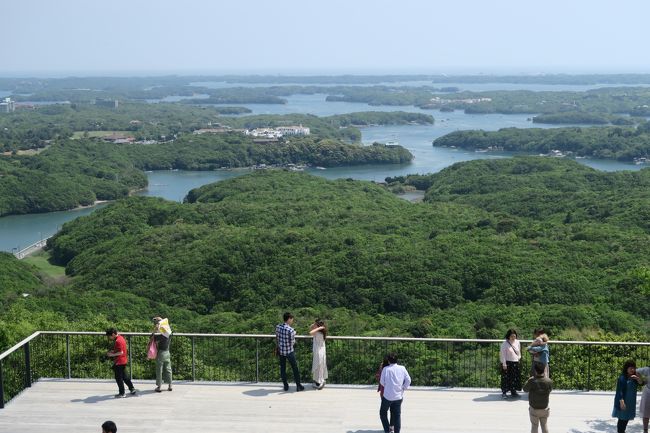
column 625, row 398
column 120, row 359
column 162, row 336
column 538, row 388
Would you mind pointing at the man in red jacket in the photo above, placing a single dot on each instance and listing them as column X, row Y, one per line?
column 119, row 353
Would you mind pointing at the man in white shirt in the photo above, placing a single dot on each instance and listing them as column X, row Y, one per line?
column 395, row 380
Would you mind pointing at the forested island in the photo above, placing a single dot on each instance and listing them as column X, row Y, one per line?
column 35, row 129
column 621, row 143
column 585, row 118
column 387, row 90
column 609, row 105
column 77, row 172
column 523, row 241
column 181, row 85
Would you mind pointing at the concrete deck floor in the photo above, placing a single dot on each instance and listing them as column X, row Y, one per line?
column 76, row 406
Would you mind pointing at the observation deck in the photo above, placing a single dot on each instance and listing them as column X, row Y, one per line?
column 62, row 381
column 81, row 406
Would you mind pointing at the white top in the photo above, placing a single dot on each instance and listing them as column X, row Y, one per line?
column 395, row 380
column 319, row 360
column 510, row 352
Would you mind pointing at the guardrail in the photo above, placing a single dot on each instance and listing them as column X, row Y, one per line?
column 31, row 249
column 584, row 365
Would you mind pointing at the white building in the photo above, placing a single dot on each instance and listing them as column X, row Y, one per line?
column 293, row 130
column 7, row 106
column 278, row 132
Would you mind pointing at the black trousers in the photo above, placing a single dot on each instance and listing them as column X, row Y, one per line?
column 291, row 357
column 121, row 378
column 395, row 408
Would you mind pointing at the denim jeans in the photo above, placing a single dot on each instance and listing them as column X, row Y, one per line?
column 294, row 366
column 395, row 414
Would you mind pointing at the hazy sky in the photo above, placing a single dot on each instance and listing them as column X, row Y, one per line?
column 55, row 37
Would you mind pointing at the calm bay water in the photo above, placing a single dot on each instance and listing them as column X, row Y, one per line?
column 19, row 231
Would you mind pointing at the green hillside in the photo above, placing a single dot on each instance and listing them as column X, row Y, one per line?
column 518, row 242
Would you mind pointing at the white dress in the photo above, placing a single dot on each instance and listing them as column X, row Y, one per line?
column 319, row 362
column 644, row 407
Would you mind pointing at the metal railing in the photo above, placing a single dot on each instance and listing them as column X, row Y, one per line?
column 21, row 254
column 583, row 365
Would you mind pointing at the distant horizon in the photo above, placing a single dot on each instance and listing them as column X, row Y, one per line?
column 302, row 73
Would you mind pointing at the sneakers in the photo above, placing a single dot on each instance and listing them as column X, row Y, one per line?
column 120, row 395
column 158, row 389
column 504, row 396
column 321, row 386
column 133, row 391
column 299, row 388
column 515, row 394
column 391, row 429
column 315, row 385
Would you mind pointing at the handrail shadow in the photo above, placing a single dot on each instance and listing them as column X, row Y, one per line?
column 605, row 426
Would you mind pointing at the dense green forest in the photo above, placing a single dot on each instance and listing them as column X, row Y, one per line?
column 610, row 100
column 35, row 129
column 613, row 100
column 622, row 143
column 524, row 241
column 59, row 173
column 26, row 129
column 209, row 152
column 72, row 173
column 66, row 175
column 579, row 117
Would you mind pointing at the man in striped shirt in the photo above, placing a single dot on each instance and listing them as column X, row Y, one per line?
column 285, row 337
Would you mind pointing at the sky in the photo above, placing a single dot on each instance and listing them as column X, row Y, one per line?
column 156, row 37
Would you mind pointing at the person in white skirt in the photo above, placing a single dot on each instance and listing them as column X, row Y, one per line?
column 318, row 330
column 644, row 407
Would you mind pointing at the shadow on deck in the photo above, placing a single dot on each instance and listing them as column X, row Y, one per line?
column 76, row 406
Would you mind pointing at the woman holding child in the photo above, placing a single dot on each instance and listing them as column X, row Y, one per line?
column 539, row 350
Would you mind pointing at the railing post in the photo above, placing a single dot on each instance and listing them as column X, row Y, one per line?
column 193, row 361
column 128, row 349
column 2, row 388
column 589, row 371
column 67, row 355
column 28, row 367
column 257, row 360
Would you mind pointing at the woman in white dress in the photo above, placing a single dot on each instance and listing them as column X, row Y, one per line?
column 318, row 331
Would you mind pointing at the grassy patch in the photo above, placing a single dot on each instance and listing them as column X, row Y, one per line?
column 40, row 261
